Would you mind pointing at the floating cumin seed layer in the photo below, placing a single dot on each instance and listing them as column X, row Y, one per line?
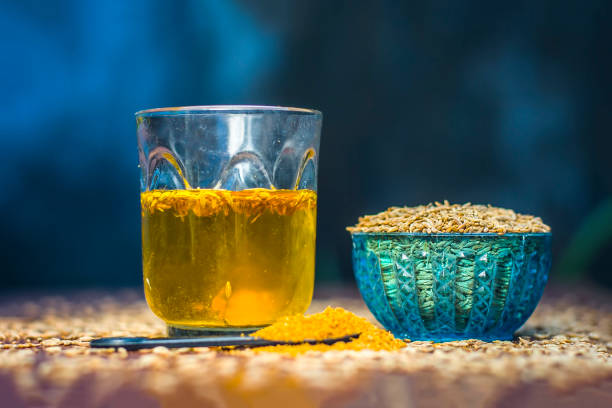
column 450, row 218
column 208, row 202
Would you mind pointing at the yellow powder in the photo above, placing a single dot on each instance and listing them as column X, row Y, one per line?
column 332, row 322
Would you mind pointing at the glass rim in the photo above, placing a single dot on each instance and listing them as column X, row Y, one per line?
column 229, row 109
column 455, row 234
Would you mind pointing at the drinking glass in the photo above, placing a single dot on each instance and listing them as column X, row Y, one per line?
column 228, row 202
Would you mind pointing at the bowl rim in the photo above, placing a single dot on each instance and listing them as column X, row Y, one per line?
column 455, row 234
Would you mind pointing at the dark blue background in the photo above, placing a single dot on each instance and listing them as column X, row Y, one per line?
column 505, row 103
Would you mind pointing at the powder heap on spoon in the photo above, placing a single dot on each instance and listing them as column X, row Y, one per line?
column 331, row 323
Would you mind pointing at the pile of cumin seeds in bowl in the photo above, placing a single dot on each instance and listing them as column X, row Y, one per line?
column 443, row 217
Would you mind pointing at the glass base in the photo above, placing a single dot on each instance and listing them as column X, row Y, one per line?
column 189, row 331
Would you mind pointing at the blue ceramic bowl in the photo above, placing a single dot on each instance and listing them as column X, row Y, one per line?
column 444, row 287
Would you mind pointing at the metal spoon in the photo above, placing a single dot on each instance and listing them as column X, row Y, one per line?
column 137, row 343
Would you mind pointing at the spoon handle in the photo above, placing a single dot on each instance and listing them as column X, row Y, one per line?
column 137, row 343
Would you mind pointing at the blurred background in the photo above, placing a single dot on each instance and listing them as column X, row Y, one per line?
column 507, row 104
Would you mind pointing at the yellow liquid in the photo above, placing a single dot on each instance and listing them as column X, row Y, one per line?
column 228, row 259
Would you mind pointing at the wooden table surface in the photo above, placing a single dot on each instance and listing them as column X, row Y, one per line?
column 560, row 358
